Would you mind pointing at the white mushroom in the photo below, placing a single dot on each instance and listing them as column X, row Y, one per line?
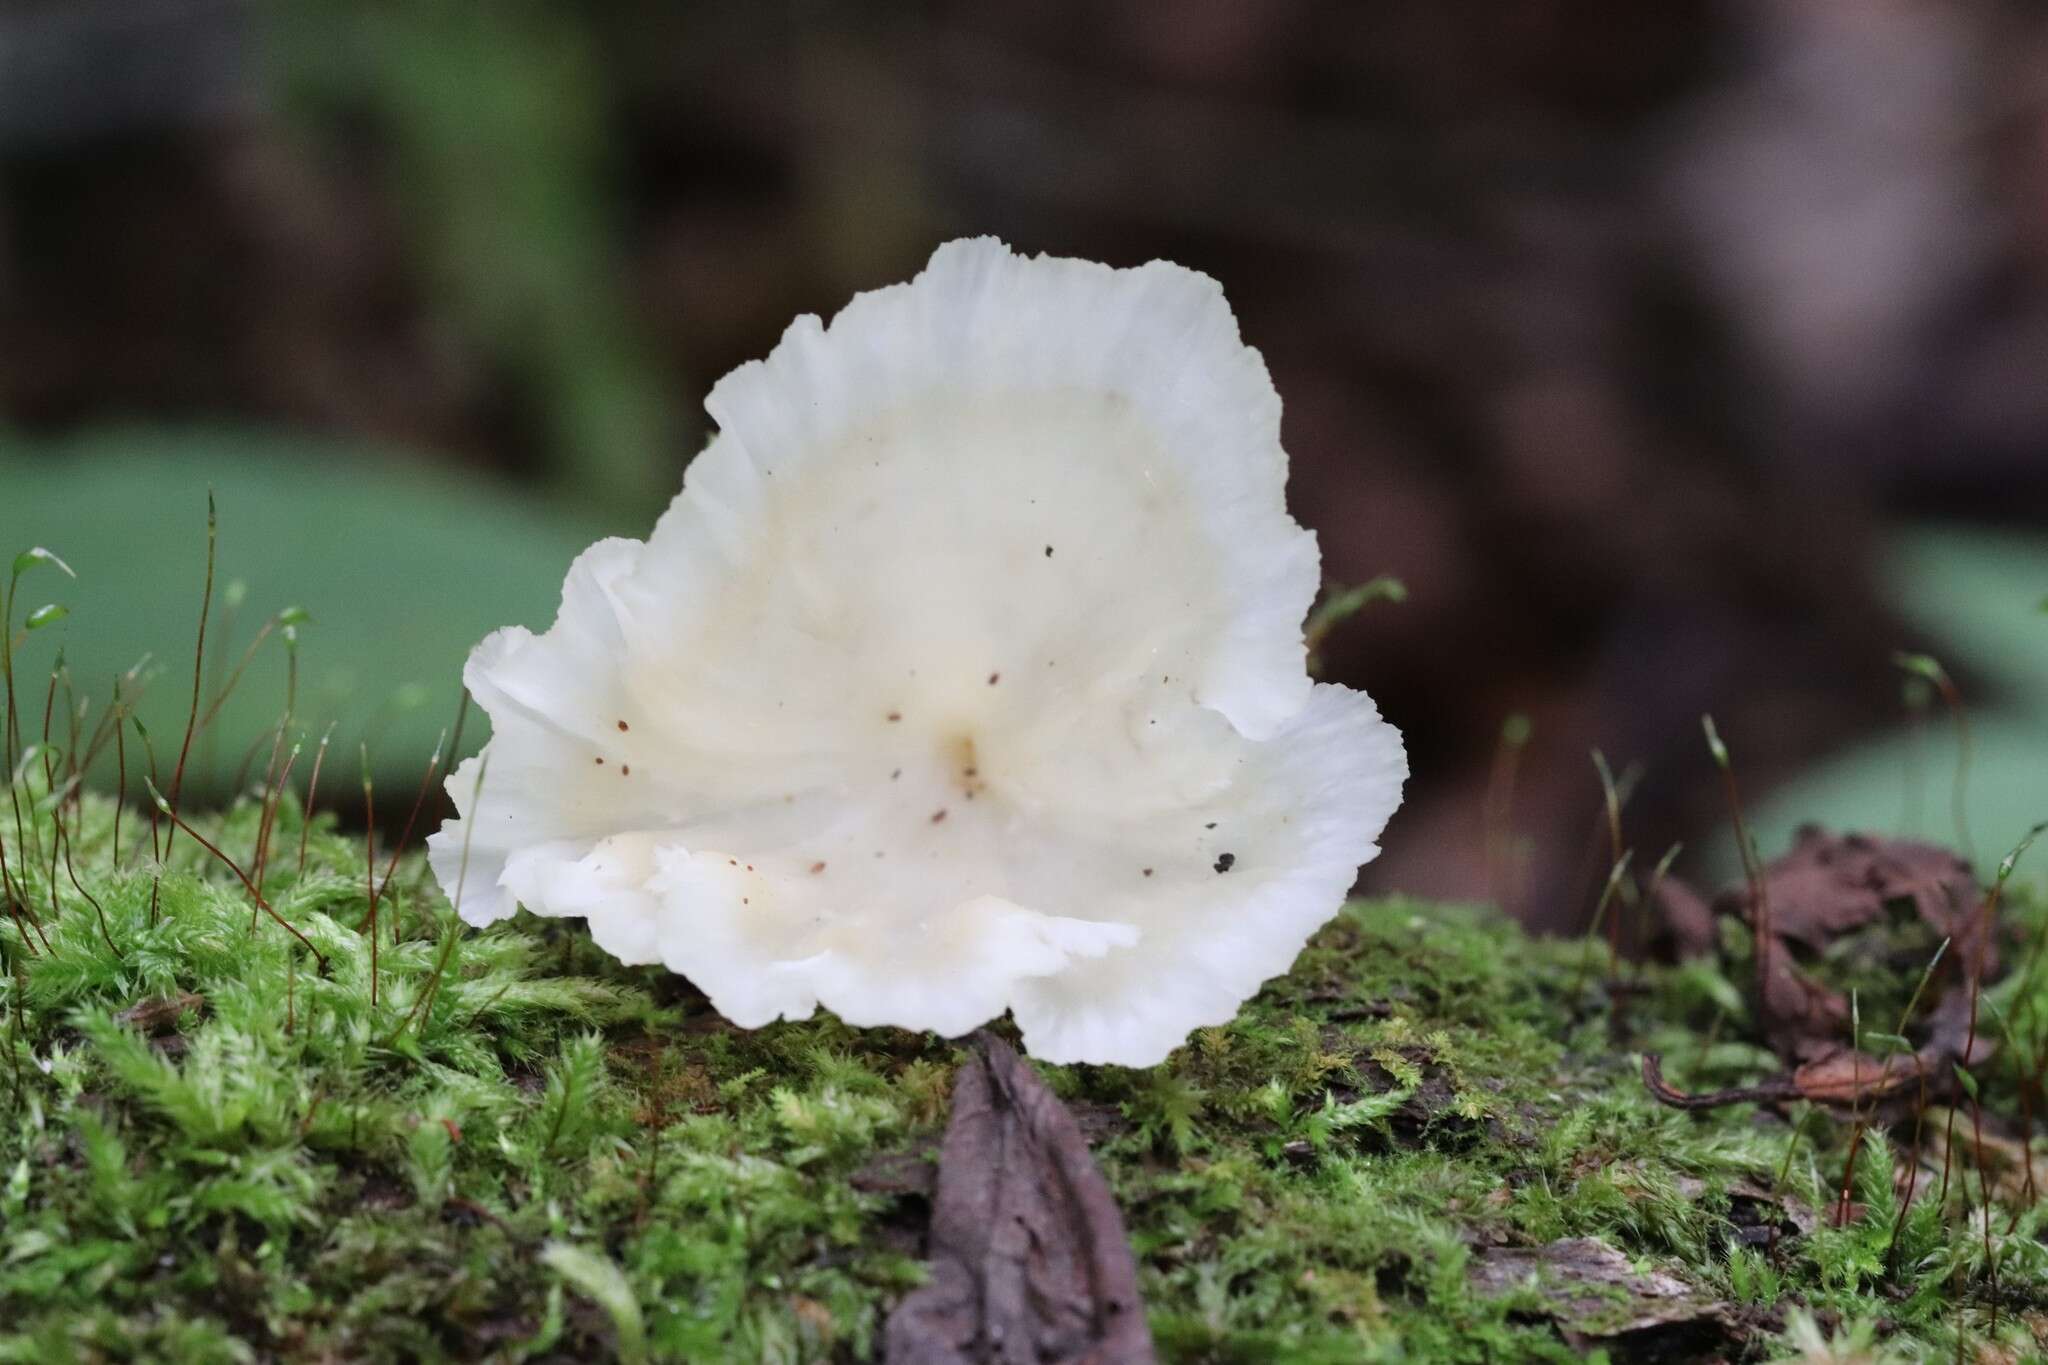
column 965, row 674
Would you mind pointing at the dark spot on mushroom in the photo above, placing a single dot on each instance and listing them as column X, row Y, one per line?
column 745, row 900
column 732, row 862
column 625, row 770
column 898, row 773
column 938, row 815
column 624, row 727
column 1225, row 862
column 1048, row 552
column 1147, row 871
column 994, row 678
column 599, row 761
column 895, row 716
column 1210, row 825
column 817, row 867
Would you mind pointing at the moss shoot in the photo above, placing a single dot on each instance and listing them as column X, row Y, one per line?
column 215, row 1149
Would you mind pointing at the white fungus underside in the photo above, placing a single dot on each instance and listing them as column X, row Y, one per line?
column 957, row 679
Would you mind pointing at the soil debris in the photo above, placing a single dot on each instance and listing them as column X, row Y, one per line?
column 1757, row 1216
column 897, row 1173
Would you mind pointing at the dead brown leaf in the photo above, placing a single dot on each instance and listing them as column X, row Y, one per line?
column 1030, row 1265
column 1842, row 1078
column 1686, row 916
column 1598, row 1298
column 1801, row 1018
column 1831, row 885
column 1847, row 1078
column 160, row 1014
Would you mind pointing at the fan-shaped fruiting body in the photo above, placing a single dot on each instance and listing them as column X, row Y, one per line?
column 965, row 674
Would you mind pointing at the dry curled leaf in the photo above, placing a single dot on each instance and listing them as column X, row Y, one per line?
column 1801, row 1018
column 1830, row 884
column 1029, row 1261
column 1843, row 1079
column 1829, row 887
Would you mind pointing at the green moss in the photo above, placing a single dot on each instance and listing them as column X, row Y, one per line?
column 539, row 1154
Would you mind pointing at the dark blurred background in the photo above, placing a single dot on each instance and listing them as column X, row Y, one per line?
column 1679, row 358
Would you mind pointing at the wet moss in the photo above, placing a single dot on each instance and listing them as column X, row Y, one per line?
column 213, row 1150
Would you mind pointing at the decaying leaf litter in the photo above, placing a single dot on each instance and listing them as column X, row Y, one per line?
column 1906, row 911
column 1029, row 1258
column 1426, row 1142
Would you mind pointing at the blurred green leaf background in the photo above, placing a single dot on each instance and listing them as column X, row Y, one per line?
column 402, row 569
column 1978, row 590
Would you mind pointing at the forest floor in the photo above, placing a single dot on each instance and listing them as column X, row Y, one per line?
column 304, row 1131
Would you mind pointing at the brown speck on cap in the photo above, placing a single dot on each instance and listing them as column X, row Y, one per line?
column 599, row 760
column 623, row 727
column 625, row 770
column 1147, row 871
column 1048, row 552
column 938, row 815
column 994, row 678
column 895, row 716
column 817, row 867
